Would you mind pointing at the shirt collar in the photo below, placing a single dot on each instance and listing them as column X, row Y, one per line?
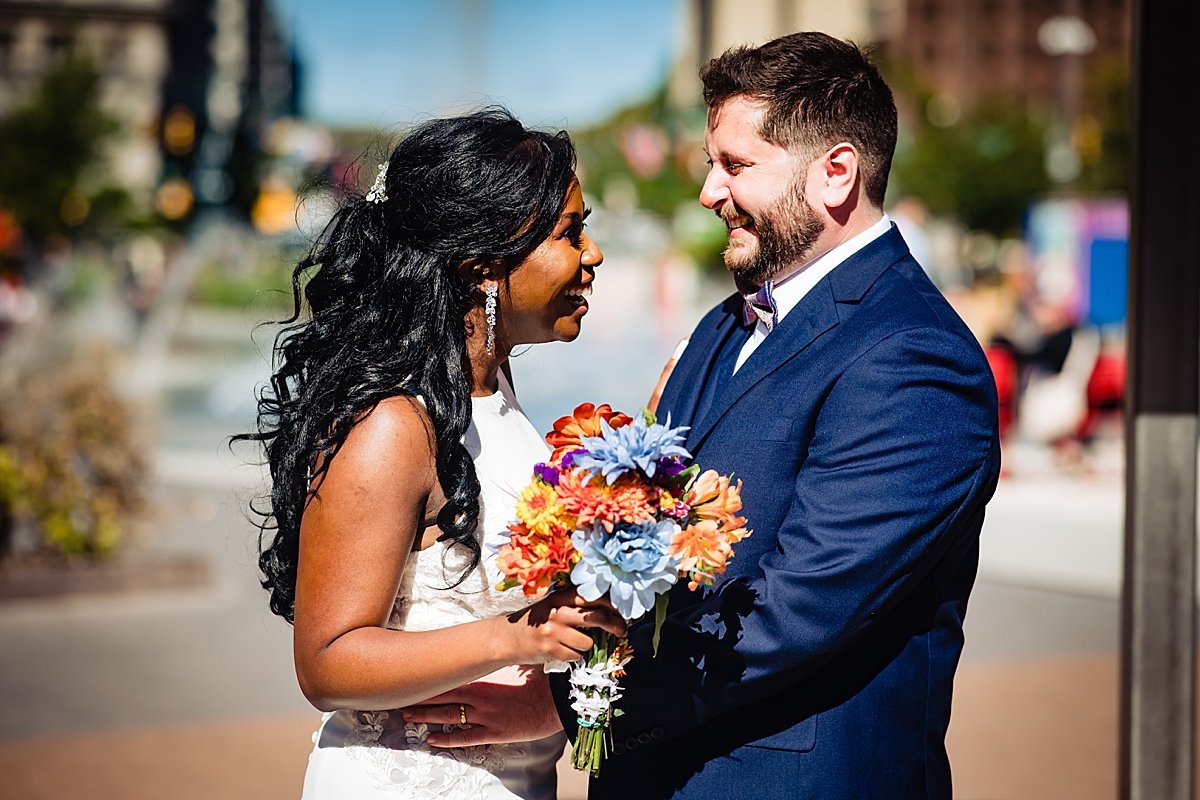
column 789, row 291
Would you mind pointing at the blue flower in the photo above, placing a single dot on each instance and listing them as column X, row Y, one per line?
column 633, row 446
column 630, row 564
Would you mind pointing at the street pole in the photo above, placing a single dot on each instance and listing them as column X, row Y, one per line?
column 1158, row 602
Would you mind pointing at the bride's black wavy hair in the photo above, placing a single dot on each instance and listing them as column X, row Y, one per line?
column 386, row 303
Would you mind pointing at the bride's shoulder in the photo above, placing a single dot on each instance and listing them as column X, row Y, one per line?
column 396, row 432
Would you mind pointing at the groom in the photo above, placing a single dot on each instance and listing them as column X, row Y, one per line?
column 860, row 414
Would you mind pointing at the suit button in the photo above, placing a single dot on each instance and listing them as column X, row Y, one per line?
column 643, row 738
column 658, row 732
column 631, row 743
column 618, row 749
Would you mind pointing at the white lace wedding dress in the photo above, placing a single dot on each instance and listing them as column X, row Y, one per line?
column 360, row 755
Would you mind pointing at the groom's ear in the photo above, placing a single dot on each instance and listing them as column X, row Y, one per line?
column 838, row 176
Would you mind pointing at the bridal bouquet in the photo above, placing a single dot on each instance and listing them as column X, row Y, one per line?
column 618, row 510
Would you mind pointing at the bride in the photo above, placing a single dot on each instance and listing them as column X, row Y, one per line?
column 397, row 449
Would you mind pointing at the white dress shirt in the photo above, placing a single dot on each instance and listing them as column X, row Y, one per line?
column 791, row 290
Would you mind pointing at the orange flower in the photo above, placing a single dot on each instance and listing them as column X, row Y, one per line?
column 569, row 431
column 535, row 562
column 591, row 500
column 620, row 656
column 702, row 549
column 714, row 497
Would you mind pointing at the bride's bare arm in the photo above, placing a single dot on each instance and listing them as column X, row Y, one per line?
column 355, row 537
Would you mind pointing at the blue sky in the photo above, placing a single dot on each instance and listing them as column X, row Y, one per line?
column 552, row 62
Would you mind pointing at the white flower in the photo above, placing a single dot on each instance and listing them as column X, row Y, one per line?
column 594, row 691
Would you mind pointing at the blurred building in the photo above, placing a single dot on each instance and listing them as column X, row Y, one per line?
column 127, row 43
column 712, row 26
column 1036, row 50
column 189, row 82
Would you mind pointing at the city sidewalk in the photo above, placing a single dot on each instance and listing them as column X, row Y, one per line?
column 1023, row 730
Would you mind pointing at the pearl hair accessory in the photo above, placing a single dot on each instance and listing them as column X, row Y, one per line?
column 489, row 308
column 377, row 194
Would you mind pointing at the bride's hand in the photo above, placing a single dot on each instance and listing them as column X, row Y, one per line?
column 555, row 628
column 510, row 705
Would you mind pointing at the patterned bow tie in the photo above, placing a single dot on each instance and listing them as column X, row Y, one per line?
column 760, row 305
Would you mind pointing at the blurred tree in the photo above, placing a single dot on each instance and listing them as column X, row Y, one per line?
column 47, row 145
column 1102, row 134
column 622, row 146
column 655, row 150
column 984, row 169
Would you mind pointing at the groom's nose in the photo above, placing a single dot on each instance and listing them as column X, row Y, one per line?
column 715, row 190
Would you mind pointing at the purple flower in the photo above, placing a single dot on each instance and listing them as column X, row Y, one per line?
column 548, row 473
column 666, row 469
column 671, row 467
column 568, row 459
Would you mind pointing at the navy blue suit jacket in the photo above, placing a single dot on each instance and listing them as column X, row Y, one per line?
column 864, row 431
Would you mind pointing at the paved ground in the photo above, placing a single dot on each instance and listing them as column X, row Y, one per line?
column 190, row 694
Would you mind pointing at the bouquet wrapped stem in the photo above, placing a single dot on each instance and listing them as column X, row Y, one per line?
column 593, row 700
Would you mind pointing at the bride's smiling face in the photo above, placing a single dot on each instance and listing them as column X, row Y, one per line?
column 547, row 293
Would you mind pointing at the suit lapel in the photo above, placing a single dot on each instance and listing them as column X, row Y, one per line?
column 811, row 317
column 686, row 385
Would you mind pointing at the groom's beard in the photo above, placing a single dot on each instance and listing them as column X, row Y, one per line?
column 786, row 236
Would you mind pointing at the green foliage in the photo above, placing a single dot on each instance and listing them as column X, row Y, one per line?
column 984, row 170
column 673, row 186
column 48, row 144
column 69, row 460
column 1103, row 134
column 264, row 285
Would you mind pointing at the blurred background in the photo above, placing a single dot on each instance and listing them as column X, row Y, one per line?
column 163, row 163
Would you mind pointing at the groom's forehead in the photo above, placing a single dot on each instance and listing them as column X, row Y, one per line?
column 737, row 120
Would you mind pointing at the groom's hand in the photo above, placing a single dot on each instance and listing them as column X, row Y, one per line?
column 510, row 705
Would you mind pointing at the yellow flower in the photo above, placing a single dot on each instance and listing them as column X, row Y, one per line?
column 539, row 508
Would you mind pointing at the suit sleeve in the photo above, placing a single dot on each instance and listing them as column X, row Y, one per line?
column 901, row 455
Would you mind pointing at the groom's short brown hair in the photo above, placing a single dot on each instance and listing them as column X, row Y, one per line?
column 818, row 91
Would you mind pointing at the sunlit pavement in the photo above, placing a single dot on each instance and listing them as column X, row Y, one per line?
column 190, row 694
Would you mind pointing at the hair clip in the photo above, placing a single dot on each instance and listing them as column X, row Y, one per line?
column 377, row 194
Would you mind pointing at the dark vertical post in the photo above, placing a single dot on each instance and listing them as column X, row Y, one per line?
column 1158, row 605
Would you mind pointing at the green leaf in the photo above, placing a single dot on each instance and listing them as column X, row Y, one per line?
column 660, row 616
column 686, row 477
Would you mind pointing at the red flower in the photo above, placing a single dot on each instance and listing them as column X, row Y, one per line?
column 569, row 431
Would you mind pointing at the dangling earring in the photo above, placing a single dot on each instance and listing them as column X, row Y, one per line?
column 489, row 308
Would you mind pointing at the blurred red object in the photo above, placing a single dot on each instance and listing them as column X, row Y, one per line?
column 1004, row 370
column 1105, row 389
